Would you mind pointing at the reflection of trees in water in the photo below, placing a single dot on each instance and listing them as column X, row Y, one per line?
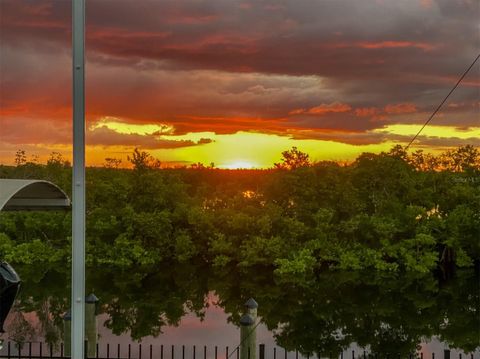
column 44, row 292
column 19, row 329
column 387, row 313
column 46, row 324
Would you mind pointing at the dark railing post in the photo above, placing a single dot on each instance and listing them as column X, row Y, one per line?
column 129, row 351
column 286, row 353
column 248, row 354
column 216, row 352
column 238, row 353
column 353, row 354
column 446, row 354
column 108, row 351
column 433, row 355
column 139, row 351
column 19, row 353
column 96, row 350
column 204, row 352
column 226, row 353
column 173, row 352
column 30, row 350
column 85, row 351
column 261, row 351
column 118, row 351
column 183, row 351
column 67, row 333
column 194, row 353
column 274, row 353
column 8, row 350
column 161, row 351
column 151, row 351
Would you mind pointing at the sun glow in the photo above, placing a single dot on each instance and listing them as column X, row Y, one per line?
column 240, row 164
column 115, row 124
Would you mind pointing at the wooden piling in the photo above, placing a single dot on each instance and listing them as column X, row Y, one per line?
column 91, row 331
column 247, row 323
column 248, row 331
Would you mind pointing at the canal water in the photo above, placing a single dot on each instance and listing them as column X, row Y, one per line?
column 189, row 306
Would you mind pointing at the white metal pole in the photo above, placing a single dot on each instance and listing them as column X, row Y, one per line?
column 78, row 181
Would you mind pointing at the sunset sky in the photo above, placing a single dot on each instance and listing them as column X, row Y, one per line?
column 238, row 82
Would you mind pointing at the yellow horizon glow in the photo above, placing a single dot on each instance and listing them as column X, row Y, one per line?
column 260, row 150
column 115, row 124
column 237, row 150
column 432, row 131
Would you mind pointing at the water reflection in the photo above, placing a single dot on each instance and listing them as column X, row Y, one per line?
column 388, row 314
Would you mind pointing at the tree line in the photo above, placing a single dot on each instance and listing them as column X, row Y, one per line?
column 393, row 211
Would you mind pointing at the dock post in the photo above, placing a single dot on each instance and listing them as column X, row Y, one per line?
column 91, row 331
column 248, row 331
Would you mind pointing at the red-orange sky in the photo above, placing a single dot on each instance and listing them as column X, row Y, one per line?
column 237, row 82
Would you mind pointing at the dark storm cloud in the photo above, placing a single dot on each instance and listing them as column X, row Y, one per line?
column 340, row 39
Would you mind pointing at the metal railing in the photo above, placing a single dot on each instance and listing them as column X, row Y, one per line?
column 39, row 350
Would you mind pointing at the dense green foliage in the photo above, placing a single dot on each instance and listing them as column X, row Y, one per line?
column 389, row 212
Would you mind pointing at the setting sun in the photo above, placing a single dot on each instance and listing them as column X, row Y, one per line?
column 239, row 165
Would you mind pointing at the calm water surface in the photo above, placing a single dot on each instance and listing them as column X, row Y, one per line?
column 188, row 305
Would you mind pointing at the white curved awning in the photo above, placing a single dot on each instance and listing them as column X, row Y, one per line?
column 17, row 194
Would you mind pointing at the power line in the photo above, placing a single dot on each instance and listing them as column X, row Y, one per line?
column 445, row 99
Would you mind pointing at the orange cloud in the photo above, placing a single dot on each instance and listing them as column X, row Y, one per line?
column 366, row 111
column 396, row 44
column 323, row 109
column 400, row 108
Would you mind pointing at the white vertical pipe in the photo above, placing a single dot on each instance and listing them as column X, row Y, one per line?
column 78, row 181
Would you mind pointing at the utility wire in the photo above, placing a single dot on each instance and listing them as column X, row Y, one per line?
column 445, row 99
